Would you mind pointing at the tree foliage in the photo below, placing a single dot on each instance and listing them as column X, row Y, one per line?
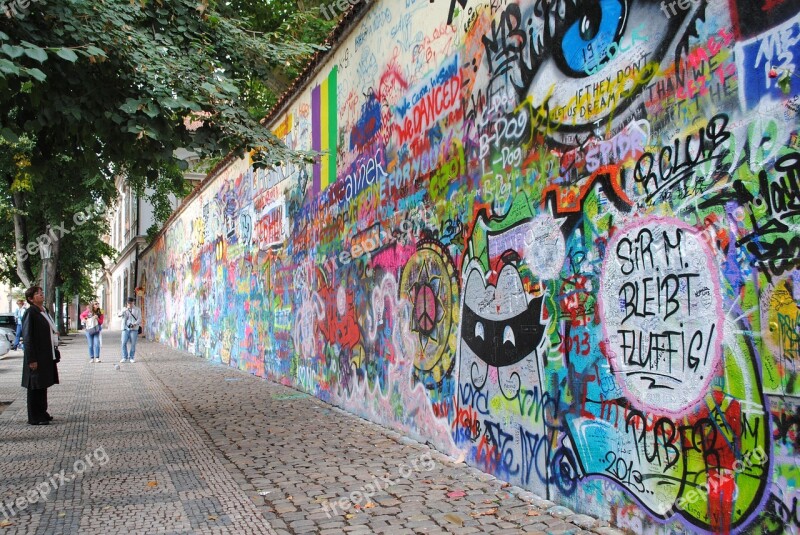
column 299, row 20
column 118, row 79
column 91, row 89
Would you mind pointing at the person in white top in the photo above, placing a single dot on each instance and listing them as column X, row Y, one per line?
column 131, row 320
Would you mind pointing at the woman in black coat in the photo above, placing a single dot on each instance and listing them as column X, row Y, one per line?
column 39, row 370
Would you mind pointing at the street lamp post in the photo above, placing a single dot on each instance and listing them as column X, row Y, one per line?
column 46, row 251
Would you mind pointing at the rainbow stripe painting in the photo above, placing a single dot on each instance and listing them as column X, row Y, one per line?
column 324, row 128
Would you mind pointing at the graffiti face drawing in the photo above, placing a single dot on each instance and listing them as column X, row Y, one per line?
column 500, row 323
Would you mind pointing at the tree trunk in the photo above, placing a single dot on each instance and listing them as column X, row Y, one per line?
column 21, row 240
column 50, row 266
column 47, row 274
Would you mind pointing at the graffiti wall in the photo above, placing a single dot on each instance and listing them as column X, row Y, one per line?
column 558, row 237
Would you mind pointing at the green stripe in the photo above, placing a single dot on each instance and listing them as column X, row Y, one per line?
column 333, row 124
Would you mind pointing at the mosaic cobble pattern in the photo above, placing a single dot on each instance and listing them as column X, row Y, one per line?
column 196, row 448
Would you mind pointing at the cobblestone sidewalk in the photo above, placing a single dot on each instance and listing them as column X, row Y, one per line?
column 119, row 457
column 196, row 448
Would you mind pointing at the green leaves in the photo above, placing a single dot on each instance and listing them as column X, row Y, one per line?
column 131, row 106
column 35, row 52
column 94, row 51
column 67, row 54
column 37, row 74
column 9, row 135
column 123, row 84
column 8, row 67
column 12, row 51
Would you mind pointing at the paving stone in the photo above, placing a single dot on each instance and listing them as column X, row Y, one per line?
column 582, row 521
column 607, row 531
column 455, row 518
column 560, row 511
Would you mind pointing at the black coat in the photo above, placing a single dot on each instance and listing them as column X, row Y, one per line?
column 38, row 348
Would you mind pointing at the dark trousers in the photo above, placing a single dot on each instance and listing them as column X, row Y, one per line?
column 37, row 405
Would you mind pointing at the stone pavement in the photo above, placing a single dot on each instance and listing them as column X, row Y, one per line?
column 173, row 444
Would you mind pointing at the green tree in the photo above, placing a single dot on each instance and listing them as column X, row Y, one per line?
column 41, row 209
column 302, row 21
column 94, row 89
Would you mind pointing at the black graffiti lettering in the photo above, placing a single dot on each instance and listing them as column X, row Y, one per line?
column 623, row 471
column 664, row 451
column 462, row 3
column 511, row 50
column 669, row 246
column 785, row 193
column 635, row 256
column 655, row 352
column 778, row 256
column 785, row 515
column 781, row 200
column 704, row 439
column 750, row 427
column 677, row 162
column 780, row 197
column 693, row 361
column 787, row 427
column 659, row 349
column 637, row 296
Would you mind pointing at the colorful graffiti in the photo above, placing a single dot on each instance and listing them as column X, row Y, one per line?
column 559, row 238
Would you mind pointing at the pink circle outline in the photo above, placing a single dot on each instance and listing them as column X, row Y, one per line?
column 714, row 270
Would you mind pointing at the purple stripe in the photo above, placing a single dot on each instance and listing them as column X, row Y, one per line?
column 316, row 139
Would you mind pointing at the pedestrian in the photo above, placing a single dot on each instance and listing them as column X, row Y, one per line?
column 18, row 315
column 131, row 320
column 93, row 318
column 40, row 361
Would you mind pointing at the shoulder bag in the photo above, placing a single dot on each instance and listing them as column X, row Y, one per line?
column 92, row 325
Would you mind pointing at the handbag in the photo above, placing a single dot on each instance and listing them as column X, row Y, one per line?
column 33, row 380
column 139, row 328
column 92, row 325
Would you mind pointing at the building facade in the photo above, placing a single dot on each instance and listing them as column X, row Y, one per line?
column 129, row 220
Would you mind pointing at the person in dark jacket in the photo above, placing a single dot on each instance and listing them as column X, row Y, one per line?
column 39, row 369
